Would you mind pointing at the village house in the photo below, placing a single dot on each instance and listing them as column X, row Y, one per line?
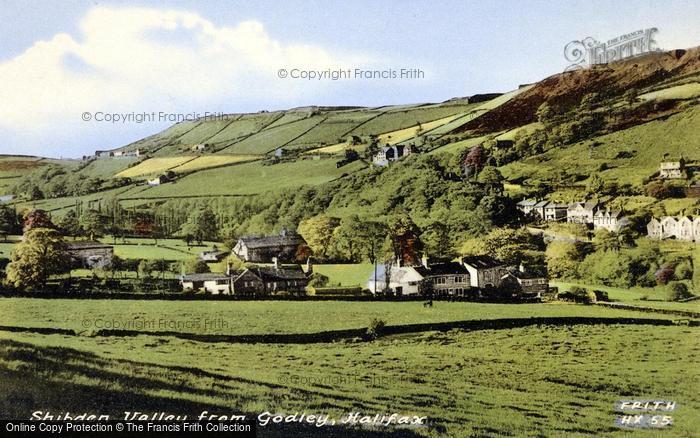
column 212, row 283
column 199, row 147
column 582, row 212
column 484, row 271
column 554, row 212
column 285, row 247
column 446, row 278
column 611, row 220
column 90, row 255
column 525, row 283
column 398, row 280
column 161, row 179
column 253, row 281
column 672, row 169
column 213, row 255
column 542, row 210
column 681, row 228
column 387, row 154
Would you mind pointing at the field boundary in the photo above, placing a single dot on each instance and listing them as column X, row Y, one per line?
column 677, row 312
column 357, row 333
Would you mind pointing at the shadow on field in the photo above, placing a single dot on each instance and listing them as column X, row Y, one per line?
column 336, row 335
column 60, row 380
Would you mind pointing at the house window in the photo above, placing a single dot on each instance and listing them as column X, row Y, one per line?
column 440, row 280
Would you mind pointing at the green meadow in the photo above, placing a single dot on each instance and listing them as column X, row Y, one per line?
column 550, row 379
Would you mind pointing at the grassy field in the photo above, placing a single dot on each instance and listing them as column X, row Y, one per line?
column 213, row 161
column 346, row 275
column 685, row 91
column 279, row 317
column 638, row 296
column 541, row 380
column 154, row 166
column 252, row 178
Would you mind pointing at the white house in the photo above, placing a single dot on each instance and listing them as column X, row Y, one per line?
column 611, row 220
column 401, row 280
column 581, row 212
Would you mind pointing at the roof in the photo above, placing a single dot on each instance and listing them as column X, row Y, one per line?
column 208, row 276
column 541, row 204
column 553, row 205
column 481, row 262
column 608, row 213
column 589, row 205
column 444, row 268
column 271, row 241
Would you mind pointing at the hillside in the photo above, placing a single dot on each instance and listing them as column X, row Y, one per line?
column 235, row 157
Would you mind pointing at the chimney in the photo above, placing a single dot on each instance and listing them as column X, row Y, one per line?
column 275, row 262
column 309, row 266
column 521, row 268
column 424, row 261
column 229, row 268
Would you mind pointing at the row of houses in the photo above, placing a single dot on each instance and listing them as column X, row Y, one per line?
column 584, row 212
column 681, row 228
column 387, row 154
column 469, row 277
column 253, row 281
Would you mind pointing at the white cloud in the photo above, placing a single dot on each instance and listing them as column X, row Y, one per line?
column 145, row 59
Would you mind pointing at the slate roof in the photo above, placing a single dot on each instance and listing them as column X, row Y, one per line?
column 481, row 261
column 528, row 273
column 444, row 268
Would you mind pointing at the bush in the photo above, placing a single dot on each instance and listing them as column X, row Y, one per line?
column 677, row 291
column 684, row 271
column 375, row 329
column 318, row 280
column 578, row 295
column 665, row 274
column 601, row 295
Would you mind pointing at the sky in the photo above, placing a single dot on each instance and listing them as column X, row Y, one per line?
column 77, row 76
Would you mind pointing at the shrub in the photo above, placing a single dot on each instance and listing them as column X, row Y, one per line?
column 684, row 271
column 677, row 291
column 665, row 274
column 601, row 295
column 578, row 295
column 375, row 329
column 318, row 280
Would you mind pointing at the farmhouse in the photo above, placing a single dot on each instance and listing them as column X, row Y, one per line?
column 281, row 278
column 388, row 154
column 525, row 283
column 162, row 179
column 209, row 282
column 681, row 228
column 609, row 220
column 554, row 212
column 398, row 280
column 484, row 271
column 213, row 255
column 582, row 212
column 672, row 169
column 446, row 278
column 90, row 254
column 285, row 247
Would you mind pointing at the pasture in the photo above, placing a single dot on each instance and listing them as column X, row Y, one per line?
column 561, row 378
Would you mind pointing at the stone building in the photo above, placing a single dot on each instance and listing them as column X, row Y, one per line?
column 90, row 255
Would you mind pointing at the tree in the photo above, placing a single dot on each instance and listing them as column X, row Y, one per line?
column 595, row 184
column 677, row 291
column 201, row 225
column 93, row 223
column 318, row 232
column 195, row 266
column 490, row 175
column 69, row 224
column 545, row 114
column 8, row 221
column 509, row 245
column 404, row 240
column 475, row 159
column 37, row 219
column 40, row 255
